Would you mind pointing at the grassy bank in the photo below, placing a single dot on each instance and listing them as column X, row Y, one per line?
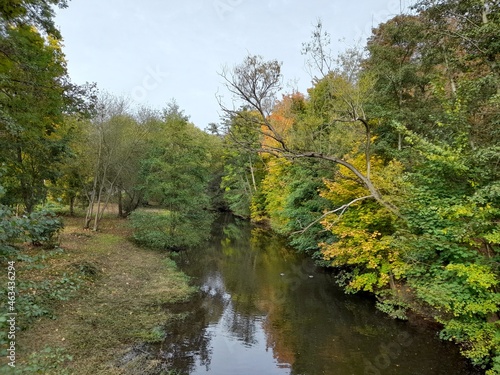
column 118, row 300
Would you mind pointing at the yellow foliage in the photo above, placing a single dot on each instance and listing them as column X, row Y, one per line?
column 276, row 191
column 363, row 230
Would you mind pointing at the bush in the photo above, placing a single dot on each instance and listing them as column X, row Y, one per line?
column 39, row 227
column 169, row 230
column 42, row 227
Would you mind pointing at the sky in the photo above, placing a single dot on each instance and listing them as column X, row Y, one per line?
column 154, row 51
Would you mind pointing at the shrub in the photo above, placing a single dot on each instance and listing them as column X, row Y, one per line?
column 169, row 230
column 39, row 227
column 42, row 227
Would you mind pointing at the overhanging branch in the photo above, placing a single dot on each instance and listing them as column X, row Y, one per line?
column 342, row 210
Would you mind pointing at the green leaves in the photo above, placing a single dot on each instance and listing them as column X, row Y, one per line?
column 170, row 230
column 39, row 227
column 36, row 94
column 461, row 290
column 175, row 172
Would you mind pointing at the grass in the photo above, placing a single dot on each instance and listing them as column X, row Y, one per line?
column 120, row 304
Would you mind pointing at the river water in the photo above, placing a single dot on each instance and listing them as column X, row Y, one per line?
column 263, row 309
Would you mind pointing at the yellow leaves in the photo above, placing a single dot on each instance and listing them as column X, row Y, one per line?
column 276, row 191
column 357, row 247
column 387, row 177
column 493, row 237
column 477, row 275
column 364, row 282
column 363, row 233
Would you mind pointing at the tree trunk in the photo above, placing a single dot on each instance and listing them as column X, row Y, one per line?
column 90, row 209
column 72, row 205
column 252, row 173
column 120, row 202
column 484, row 13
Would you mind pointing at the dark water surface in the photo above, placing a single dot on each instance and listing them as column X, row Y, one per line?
column 266, row 310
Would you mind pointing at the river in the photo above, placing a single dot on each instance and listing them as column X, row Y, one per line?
column 263, row 309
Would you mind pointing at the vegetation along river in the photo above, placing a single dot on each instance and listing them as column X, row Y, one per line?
column 264, row 309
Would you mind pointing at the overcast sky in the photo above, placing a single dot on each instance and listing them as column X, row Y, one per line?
column 155, row 50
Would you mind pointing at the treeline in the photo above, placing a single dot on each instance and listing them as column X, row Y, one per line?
column 65, row 145
column 388, row 168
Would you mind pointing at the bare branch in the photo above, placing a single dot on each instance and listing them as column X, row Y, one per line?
column 342, row 210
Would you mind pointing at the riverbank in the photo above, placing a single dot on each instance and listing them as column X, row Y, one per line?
column 119, row 302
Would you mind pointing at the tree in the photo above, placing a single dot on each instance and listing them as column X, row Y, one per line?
column 175, row 172
column 409, row 133
column 403, row 76
column 116, row 141
column 35, row 93
column 175, row 177
column 38, row 13
column 243, row 168
column 256, row 83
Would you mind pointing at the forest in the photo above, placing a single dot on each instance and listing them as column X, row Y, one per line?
column 386, row 170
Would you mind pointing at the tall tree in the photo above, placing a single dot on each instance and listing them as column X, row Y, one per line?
column 116, row 143
column 256, row 82
column 35, row 92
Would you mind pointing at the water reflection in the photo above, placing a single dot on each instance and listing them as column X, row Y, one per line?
column 265, row 310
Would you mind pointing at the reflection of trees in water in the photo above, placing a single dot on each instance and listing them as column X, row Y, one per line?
column 310, row 325
column 186, row 341
column 242, row 327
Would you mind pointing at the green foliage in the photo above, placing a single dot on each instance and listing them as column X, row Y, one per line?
column 418, row 119
column 169, row 230
column 39, row 227
column 50, row 361
column 395, row 309
column 176, row 176
column 292, row 201
column 176, row 171
column 35, row 95
column 461, row 290
column 42, row 227
column 427, row 95
column 243, row 170
column 480, row 340
column 38, row 299
column 32, row 12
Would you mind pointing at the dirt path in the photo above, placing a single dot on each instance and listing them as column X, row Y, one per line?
column 120, row 305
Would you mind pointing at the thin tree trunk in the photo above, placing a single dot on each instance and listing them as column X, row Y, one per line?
column 248, row 184
column 484, row 12
column 251, row 171
column 99, row 198
column 367, row 147
column 120, row 202
column 90, row 209
column 26, row 189
column 72, row 205
column 96, row 217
